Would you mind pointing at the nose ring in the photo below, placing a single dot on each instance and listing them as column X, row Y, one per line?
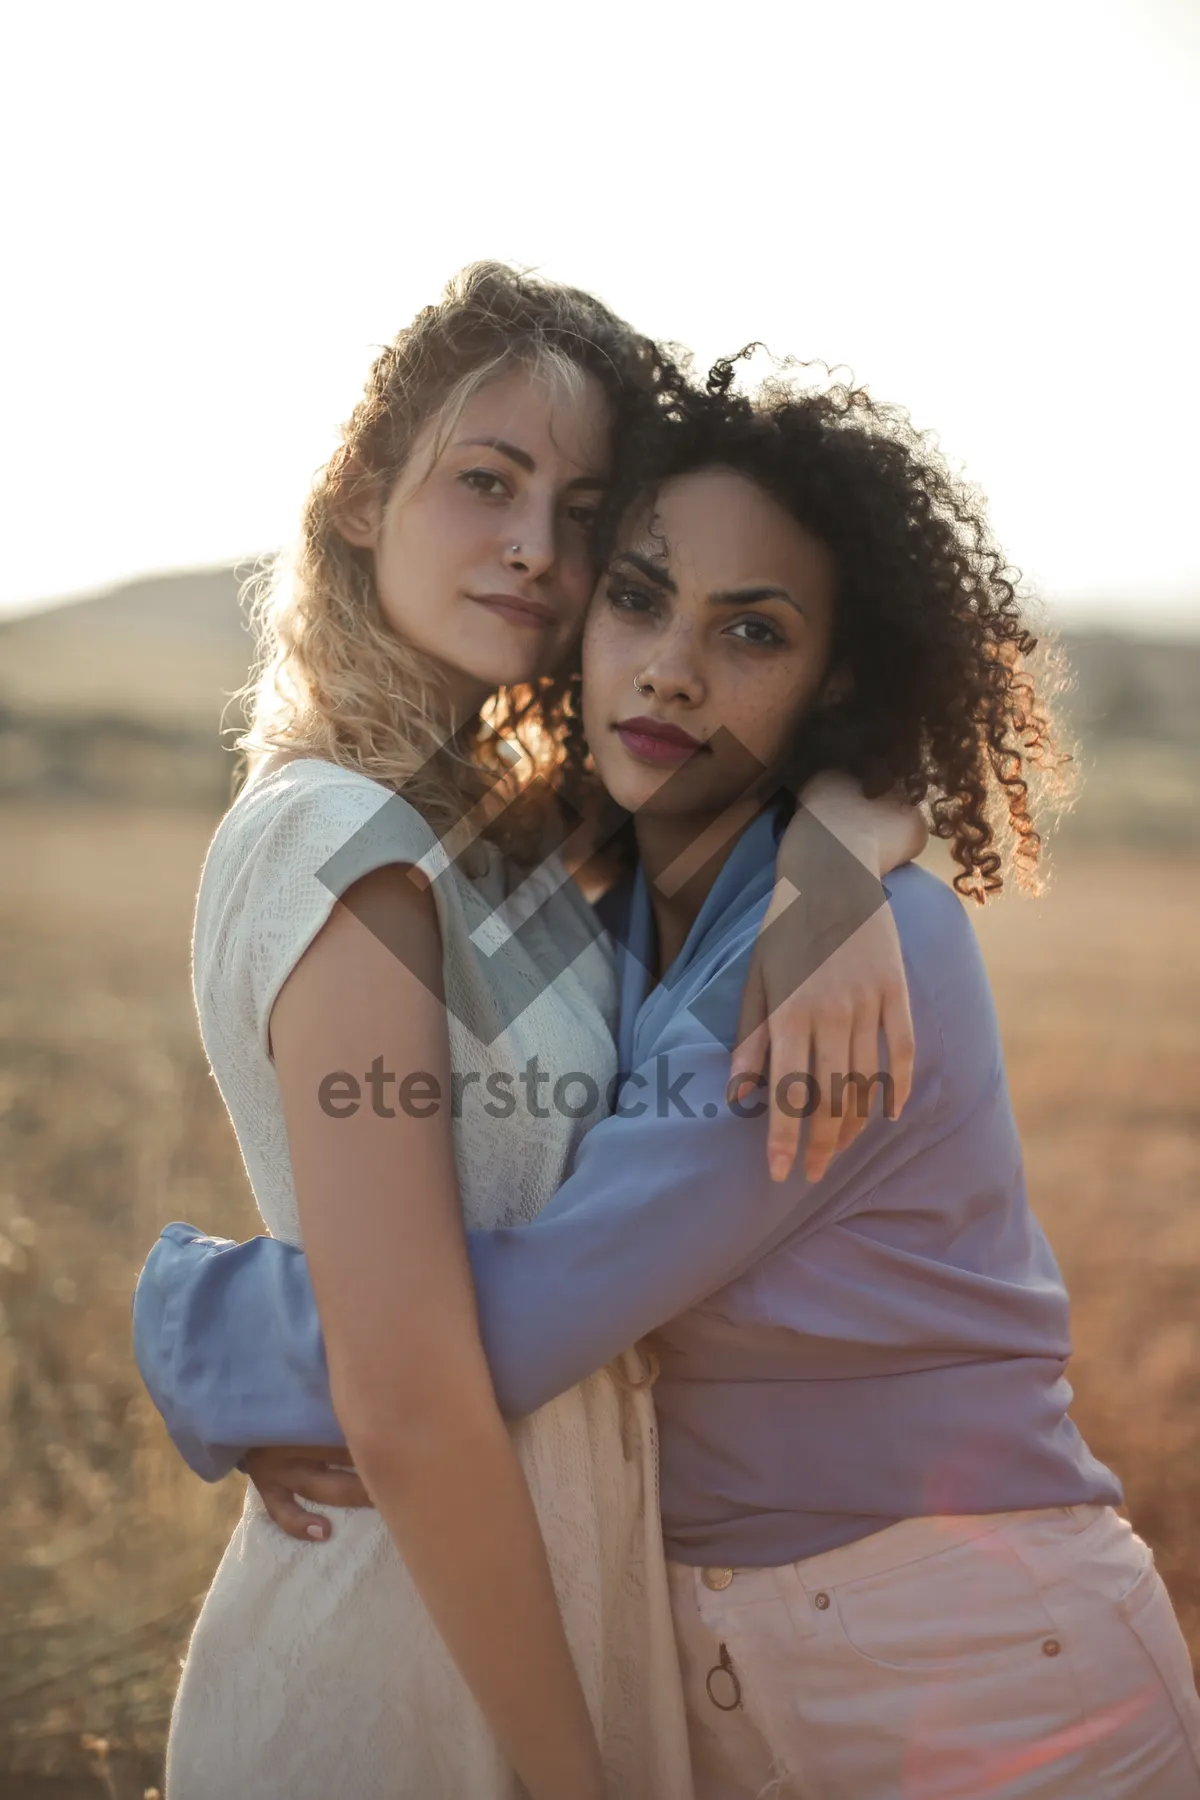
column 637, row 684
column 514, row 549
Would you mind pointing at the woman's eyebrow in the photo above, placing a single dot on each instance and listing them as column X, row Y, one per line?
column 747, row 596
column 524, row 461
column 522, row 458
column 653, row 571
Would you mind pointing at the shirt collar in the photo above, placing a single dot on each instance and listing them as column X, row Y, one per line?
column 745, row 880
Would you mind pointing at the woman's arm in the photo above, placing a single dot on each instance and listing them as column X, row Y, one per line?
column 884, row 833
column 670, row 1200
column 827, row 976
column 382, row 1225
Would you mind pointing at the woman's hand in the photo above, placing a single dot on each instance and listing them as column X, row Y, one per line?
column 827, row 977
column 286, row 1474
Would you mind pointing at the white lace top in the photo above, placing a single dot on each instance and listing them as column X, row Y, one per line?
column 315, row 1670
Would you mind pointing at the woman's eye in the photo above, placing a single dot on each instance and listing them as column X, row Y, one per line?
column 756, row 631
column 583, row 516
column 483, row 481
column 629, row 599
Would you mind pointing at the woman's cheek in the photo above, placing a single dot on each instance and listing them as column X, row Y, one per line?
column 597, row 655
column 755, row 707
column 578, row 583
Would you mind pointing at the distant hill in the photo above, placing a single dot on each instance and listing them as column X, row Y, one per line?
column 125, row 692
column 165, row 650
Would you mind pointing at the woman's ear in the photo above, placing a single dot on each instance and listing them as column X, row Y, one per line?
column 358, row 511
column 359, row 519
column 838, row 686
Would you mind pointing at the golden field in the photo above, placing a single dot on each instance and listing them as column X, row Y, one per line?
column 110, row 1125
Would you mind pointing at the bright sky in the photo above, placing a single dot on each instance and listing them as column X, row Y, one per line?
column 987, row 208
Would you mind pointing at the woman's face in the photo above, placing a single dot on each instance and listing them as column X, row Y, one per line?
column 720, row 607
column 482, row 551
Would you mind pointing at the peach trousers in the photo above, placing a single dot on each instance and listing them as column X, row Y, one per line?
column 1008, row 1656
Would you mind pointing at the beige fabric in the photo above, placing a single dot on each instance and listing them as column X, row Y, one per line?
column 1020, row 1656
column 314, row 1670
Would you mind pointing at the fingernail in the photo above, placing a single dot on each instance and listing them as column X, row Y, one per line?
column 779, row 1163
column 318, row 1529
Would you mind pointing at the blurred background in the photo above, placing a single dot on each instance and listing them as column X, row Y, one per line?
column 211, row 217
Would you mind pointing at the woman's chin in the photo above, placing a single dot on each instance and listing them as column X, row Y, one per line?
column 631, row 791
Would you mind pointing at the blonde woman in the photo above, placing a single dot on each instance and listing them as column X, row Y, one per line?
column 501, row 1625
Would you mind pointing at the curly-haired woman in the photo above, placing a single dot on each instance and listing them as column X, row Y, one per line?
column 896, row 1569
column 505, row 1617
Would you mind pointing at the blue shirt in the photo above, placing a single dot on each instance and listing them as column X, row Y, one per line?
column 887, row 1342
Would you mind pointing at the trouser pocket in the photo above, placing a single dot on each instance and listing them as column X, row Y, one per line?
column 1146, row 1609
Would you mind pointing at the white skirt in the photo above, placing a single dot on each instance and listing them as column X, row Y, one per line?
column 316, row 1671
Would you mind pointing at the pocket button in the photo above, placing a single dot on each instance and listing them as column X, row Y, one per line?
column 821, row 1602
column 716, row 1578
column 1051, row 1647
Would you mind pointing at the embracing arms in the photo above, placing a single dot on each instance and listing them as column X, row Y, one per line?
column 227, row 1335
column 670, row 1199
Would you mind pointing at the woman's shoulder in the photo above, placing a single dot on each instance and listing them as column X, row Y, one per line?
column 295, row 840
column 306, row 786
column 305, row 813
column 297, row 837
column 934, row 926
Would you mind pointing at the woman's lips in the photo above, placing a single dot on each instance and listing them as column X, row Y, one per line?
column 652, row 741
column 532, row 614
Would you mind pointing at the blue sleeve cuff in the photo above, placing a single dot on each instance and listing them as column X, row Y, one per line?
column 228, row 1343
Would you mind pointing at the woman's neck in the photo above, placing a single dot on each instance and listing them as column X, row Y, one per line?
column 682, row 857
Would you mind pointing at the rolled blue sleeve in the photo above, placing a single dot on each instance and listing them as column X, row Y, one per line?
column 665, row 1206
column 661, row 1212
column 229, row 1345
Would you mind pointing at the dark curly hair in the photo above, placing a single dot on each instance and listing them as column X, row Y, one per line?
column 941, row 704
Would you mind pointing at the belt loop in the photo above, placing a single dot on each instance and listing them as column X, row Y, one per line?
column 805, row 1618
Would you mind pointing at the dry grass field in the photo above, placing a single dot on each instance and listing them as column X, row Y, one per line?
column 109, row 1126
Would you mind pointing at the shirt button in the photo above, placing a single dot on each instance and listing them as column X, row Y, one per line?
column 1051, row 1647
column 821, row 1602
column 716, row 1578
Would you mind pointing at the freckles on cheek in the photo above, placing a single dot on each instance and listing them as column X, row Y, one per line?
column 604, row 662
column 763, row 715
column 599, row 686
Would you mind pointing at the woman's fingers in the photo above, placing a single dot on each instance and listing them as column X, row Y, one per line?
column 290, row 1516
column 831, row 1057
column 858, row 1091
column 753, row 1034
column 284, row 1476
column 748, row 1065
column 901, row 1045
column 815, row 1036
column 327, row 1486
column 752, row 1051
column 791, row 1090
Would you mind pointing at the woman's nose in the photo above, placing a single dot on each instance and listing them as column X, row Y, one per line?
column 672, row 673
column 530, row 546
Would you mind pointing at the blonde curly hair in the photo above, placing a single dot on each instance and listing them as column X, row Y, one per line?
column 331, row 677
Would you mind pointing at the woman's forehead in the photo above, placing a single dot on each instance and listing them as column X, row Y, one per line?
column 544, row 412
column 713, row 522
